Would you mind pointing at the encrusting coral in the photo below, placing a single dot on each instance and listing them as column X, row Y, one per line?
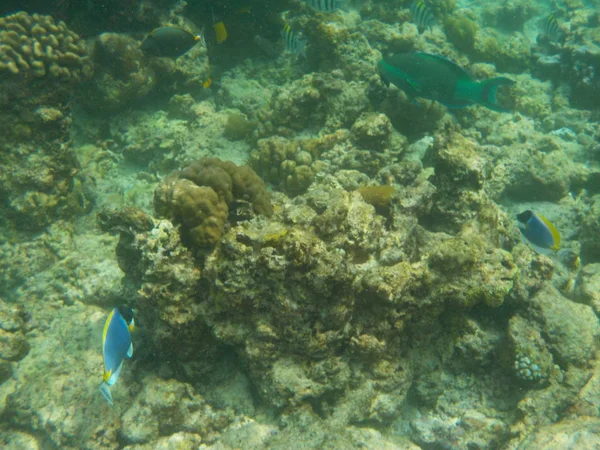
column 200, row 198
column 37, row 45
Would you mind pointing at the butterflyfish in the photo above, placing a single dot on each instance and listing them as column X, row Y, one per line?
column 538, row 230
column 116, row 346
column 170, row 41
column 436, row 78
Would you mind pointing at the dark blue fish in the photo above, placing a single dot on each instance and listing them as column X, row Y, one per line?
column 436, row 78
column 169, row 41
column 421, row 15
column 538, row 230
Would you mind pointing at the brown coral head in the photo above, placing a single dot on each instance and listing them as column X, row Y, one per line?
column 201, row 197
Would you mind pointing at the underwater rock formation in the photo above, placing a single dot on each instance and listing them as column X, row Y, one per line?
column 122, row 74
column 13, row 344
column 325, row 99
column 201, row 197
column 302, row 297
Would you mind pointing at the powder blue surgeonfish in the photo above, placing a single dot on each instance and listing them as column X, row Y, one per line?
column 436, row 78
column 538, row 230
column 116, row 345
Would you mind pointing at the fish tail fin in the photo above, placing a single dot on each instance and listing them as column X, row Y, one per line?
column 489, row 88
column 105, row 391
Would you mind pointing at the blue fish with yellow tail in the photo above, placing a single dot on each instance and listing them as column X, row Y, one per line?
column 116, row 345
column 538, row 230
column 436, row 78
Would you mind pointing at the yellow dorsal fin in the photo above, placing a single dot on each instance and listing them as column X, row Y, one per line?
column 106, row 324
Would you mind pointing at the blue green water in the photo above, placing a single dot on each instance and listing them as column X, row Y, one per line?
column 301, row 225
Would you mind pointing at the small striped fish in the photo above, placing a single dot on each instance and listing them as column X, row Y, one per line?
column 553, row 30
column 421, row 15
column 326, row 5
column 293, row 41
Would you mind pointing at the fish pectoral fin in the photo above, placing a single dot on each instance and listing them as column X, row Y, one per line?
column 413, row 84
column 413, row 100
column 115, row 375
column 130, row 351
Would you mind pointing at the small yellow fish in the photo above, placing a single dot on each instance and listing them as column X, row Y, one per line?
column 220, row 32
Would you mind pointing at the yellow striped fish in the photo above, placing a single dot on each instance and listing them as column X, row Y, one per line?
column 326, row 5
column 421, row 15
column 293, row 42
column 552, row 29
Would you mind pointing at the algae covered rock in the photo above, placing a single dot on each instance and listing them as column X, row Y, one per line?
column 123, row 74
column 166, row 406
column 13, row 343
column 461, row 170
column 582, row 432
column 322, row 100
column 372, row 131
column 590, row 245
column 461, row 31
column 572, row 328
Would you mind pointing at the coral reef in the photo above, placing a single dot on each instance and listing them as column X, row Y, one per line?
column 123, row 74
column 379, row 292
column 201, row 197
column 461, row 31
column 42, row 65
column 37, row 46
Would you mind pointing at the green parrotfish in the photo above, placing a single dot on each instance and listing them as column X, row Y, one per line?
column 436, row 78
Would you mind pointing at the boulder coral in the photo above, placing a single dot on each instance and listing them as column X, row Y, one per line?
column 201, row 197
